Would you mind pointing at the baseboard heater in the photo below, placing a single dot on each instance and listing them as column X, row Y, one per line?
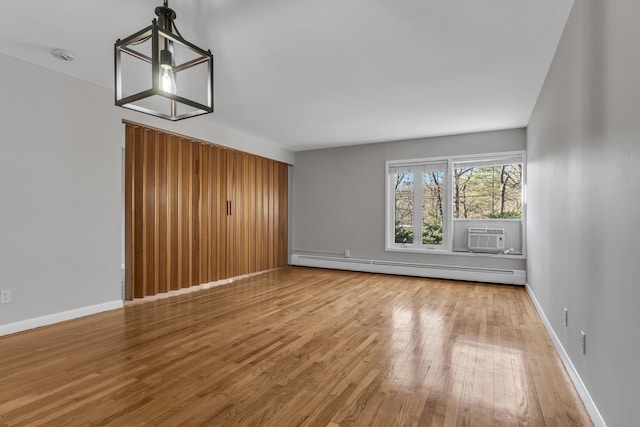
column 472, row 274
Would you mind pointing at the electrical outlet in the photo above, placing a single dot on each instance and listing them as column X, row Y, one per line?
column 347, row 253
column 583, row 342
column 5, row 296
column 566, row 316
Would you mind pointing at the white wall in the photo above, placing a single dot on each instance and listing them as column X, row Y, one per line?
column 338, row 195
column 61, row 189
column 584, row 199
column 60, row 178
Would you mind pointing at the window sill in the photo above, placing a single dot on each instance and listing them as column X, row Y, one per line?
column 456, row 253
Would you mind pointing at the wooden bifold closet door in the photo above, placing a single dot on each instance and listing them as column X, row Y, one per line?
column 197, row 213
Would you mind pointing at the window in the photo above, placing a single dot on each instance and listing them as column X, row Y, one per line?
column 487, row 188
column 418, row 203
column 431, row 202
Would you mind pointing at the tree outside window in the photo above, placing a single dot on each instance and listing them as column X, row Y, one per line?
column 403, row 207
column 487, row 192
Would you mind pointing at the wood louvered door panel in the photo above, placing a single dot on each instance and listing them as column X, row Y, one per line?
column 283, row 215
column 237, row 215
column 144, row 198
column 258, row 214
column 229, row 243
column 162, row 200
column 196, row 213
column 212, row 214
column 205, row 215
column 266, row 186
column 221, row 176
column 278, row 217
column 184, row 151
column 250, row 213
column 275, row 211
column 243, row 216
column 270, row 190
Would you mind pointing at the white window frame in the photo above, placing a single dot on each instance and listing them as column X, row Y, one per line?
column 417, row 245
column 447, row 217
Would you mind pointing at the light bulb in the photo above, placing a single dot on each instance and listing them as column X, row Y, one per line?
column 167, row 80
column 167, row 76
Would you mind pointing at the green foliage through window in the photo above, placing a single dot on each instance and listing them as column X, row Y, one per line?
column 403, row 234
column 432, row 232
column 487, row 192
column 505, row 215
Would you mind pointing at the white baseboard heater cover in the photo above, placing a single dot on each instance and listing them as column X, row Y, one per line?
column 472, row 274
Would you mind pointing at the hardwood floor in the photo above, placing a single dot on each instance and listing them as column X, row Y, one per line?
column 297, row 347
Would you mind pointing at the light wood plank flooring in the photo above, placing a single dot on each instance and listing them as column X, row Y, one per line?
column 297, row 347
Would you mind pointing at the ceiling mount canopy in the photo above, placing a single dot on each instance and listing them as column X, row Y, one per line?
column 160, row 73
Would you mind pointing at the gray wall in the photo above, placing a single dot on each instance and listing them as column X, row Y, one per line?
column 61, row 188
column 338, row 195
column 583, row 157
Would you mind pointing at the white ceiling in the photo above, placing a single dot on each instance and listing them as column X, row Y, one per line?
column 318, row 73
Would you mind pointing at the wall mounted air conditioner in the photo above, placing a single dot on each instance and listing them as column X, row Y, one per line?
column 485, row 239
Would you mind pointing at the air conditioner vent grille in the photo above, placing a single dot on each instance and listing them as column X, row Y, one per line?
column 486, row 230
column 485, row 239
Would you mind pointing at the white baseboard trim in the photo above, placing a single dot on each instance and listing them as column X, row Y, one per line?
column 50, row 319
column 588, row 402
column 473, row 274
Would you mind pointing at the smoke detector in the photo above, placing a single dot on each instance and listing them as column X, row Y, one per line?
column 62, row 55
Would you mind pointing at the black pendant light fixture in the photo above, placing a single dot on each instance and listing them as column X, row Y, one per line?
column 158, row 72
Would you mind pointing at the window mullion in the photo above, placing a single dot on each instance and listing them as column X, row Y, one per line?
column 447, row 214
column 417, row 209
